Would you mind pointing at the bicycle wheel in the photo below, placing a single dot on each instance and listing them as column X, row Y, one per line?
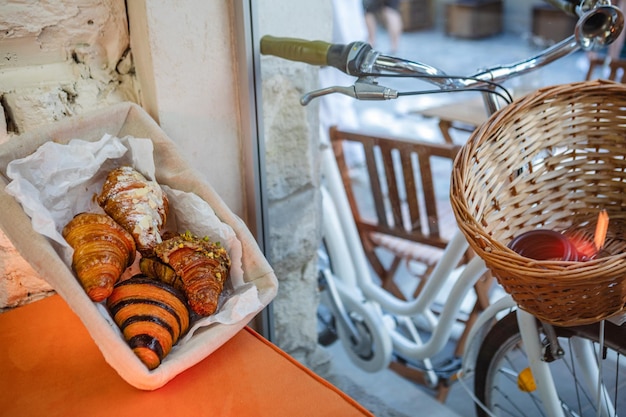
column 502, row 361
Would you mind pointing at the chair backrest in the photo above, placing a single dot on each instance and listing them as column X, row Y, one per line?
column 617, row 70
column 611, row 69
column 402, row 185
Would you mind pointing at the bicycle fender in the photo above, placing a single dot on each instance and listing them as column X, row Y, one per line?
column 479, row 330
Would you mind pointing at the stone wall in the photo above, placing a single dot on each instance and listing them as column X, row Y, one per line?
column 294, row 204
column 293, row 174
column 62, row 58
column 58, row 59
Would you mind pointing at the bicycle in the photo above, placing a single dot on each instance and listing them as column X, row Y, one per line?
column 373, row 325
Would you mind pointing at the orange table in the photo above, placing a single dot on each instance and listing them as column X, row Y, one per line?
column 49, row 366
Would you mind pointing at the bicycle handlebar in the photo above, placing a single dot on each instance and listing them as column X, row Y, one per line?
column 356, row 58
column 323, row 53
column 599, row 23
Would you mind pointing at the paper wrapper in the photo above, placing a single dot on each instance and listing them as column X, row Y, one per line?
column 58, row 180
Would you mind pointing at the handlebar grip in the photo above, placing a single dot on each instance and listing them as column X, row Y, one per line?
column 309, row 52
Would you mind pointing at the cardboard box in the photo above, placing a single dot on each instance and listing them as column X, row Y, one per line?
column 172, row 170
column 552, row 25
column 474, row 19
column 416, row 14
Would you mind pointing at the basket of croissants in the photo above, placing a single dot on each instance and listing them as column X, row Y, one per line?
column 181, row 274
column 156, row 293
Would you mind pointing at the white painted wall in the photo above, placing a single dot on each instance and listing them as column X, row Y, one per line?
column 184, row 59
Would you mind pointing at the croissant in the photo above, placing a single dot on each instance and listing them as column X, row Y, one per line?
column 152, row 316
column 140, row 206
column 154, row 268
column 102, row 251
column 203, row 267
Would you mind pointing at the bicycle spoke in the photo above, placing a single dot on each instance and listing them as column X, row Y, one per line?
column 573, row 373
column 516, row 411
column 616, row 383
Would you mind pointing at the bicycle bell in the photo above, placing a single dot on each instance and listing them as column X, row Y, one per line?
column 599, row 25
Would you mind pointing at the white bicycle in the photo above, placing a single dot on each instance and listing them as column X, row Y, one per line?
column 520, row 365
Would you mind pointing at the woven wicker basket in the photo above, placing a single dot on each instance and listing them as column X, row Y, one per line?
column 551, row 160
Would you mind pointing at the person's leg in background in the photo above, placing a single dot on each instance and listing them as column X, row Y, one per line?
column 371, row 9
column 393, row 23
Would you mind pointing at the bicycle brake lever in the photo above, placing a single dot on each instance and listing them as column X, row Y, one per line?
column 361, row 90
column 308, row 97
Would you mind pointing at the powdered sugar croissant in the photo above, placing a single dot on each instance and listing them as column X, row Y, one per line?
column 140, row 206
column 102, row 252
column 203, row 267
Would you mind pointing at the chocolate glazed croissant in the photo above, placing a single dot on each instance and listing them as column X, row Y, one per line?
column 203, row 267
column 138, row 205
column 102, row 251
column 152, row 316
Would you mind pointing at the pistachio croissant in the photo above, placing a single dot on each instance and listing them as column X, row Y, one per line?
column 203, row 267
column 152, row 316
column 102, row 252
column 140, row 206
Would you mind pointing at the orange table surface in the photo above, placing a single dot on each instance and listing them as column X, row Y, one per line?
column 49, row 366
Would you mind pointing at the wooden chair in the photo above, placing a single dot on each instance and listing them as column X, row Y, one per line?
column 399, row 212
column 616, row 69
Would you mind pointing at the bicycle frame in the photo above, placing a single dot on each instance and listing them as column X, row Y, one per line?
column 354, row 285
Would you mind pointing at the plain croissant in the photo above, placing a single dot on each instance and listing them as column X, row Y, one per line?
column 140, row 206
column 102, row 252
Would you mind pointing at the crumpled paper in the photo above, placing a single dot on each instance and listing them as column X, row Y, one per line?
column 58, row 181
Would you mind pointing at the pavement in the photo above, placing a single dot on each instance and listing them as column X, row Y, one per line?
column 386, row 393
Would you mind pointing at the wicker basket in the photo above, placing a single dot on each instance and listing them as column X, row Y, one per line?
column 551, row 160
